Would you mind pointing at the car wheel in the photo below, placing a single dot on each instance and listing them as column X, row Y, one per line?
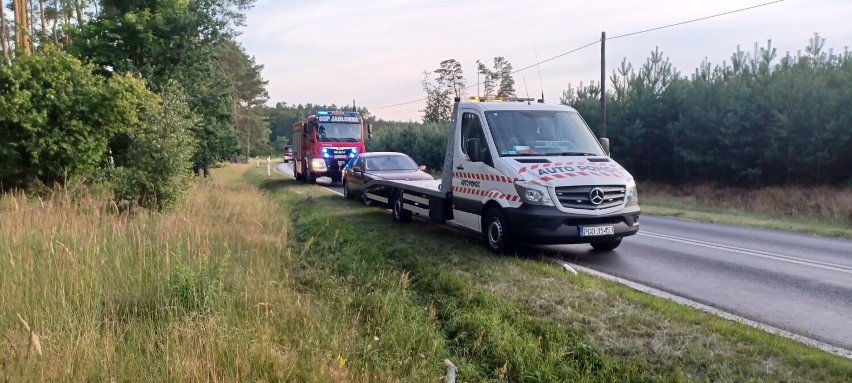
column 606, row 246
column 346, row 193
column 399, row 214
column 498, row 238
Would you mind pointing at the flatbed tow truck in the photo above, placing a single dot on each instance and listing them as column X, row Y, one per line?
column 519, row 171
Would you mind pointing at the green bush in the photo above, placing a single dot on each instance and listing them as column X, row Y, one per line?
column 426, row 143
column 57, row 117
column 153, row 161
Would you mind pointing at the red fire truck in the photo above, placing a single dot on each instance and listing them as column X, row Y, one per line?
column 324, row 142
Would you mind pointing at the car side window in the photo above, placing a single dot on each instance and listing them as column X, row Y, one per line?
column 472, row 128
column 361, row 164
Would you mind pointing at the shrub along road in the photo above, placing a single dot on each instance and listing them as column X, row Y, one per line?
column 798, row 283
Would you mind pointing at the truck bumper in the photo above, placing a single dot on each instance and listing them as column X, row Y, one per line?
column 547, row 225
column 332, row 168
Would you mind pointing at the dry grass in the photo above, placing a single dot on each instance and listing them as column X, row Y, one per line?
column 822, row 210
column 205, row 293
column 821, row 202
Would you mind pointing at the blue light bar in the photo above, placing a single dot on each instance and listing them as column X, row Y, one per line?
column 354, row 114
column 323, row 113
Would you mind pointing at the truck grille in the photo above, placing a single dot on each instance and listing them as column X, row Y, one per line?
column 581, row 197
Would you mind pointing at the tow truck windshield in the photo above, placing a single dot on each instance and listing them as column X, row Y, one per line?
column 541, row 133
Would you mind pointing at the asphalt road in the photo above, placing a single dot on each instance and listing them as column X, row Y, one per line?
column 798, row 283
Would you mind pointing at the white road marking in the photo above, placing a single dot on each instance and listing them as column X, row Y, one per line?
column 754, row 253
column 712, row 310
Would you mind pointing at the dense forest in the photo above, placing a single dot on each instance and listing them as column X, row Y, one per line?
column 756, row 120
column 134, row 93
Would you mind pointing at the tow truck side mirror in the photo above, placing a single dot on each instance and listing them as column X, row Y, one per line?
column 472, row 147
column 605, row 144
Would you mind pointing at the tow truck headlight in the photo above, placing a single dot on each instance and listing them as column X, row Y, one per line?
column 318, row 164
column 533, row 195
column 632, row 194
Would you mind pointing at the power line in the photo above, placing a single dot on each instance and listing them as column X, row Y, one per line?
column 598, row 41
column 694, row 20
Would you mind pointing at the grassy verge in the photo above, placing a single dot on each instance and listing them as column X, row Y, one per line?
column 818, row 211
column 517, row 319
column 277, row 281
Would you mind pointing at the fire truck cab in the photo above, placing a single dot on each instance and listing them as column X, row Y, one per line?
column 324, row 142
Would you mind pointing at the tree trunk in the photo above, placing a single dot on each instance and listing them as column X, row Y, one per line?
column 4, row 38
column 67, row 27
column 43, row 21
column 31, row 15
column 56, row 21
column 22, row 27
column 78, row 7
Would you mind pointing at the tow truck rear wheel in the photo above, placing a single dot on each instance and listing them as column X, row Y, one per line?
column 399, row 213
column 606, row 246
column 498, row 239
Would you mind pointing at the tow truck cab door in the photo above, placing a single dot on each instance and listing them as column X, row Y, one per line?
column 468, row 189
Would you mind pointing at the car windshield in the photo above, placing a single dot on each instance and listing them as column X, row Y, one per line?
column 338, row 132
column 540, row 133
column 390, row 162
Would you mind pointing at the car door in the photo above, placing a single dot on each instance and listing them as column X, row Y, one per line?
column 358, row 179
column 469, row 186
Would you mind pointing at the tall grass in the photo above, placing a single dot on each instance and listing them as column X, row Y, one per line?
column 291, row 285
column 819, row 210
column 205, row 293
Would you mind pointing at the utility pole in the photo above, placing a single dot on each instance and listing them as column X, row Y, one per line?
column 603, row 84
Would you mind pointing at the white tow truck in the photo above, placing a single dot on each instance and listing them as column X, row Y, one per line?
column 521, row 171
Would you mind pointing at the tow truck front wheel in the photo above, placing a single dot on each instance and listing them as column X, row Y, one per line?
column 399, row 213
column 497, row 236
column 606, row 246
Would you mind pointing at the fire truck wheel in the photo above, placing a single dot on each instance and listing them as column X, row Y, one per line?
column 300, row 175
column 312, row 179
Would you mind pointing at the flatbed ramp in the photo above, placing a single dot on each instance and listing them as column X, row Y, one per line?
column 420, row 197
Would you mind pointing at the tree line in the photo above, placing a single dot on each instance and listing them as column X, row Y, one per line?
column 135, row 93
column 758, row 119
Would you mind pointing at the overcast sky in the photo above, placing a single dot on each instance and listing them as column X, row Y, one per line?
column 375, row 52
